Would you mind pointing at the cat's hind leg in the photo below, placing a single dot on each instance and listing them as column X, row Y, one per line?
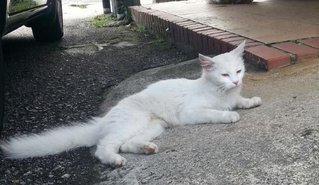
column 107, row 151
column 123, row 123
column 138, row 146
column 140, row 143
column 119, row 130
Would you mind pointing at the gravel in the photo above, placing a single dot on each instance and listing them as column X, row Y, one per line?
column 54, row 84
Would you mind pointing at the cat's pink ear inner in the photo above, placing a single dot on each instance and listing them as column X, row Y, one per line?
column 205, row 62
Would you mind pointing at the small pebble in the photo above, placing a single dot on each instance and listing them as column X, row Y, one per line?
column 65, row 176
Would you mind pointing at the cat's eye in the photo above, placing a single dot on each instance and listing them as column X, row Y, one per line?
column 225, row 74
column 238, row 71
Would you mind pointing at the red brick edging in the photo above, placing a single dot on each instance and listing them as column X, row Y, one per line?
column 209, row 40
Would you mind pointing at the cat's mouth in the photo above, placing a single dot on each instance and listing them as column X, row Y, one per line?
column 235, row 86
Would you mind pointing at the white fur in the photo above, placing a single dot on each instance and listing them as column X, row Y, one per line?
column 139, row 118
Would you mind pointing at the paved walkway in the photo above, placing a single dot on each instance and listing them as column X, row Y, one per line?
column 268, row 22
column 279, row 33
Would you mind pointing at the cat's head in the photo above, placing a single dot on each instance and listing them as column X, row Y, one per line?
column 225, row 70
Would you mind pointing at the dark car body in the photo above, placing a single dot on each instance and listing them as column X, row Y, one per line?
column 15, row 13
column 43, row 16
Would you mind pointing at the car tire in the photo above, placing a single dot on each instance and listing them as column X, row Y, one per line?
column 1, row 88
column 49, row 27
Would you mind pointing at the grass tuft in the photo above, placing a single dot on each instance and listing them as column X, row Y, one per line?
column 79, row 5
column 100, row 21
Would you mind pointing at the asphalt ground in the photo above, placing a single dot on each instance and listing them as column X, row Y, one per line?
column 54, row 84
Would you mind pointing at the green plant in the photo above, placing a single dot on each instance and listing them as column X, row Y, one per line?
column 139, row 28
column 100, row 21
column 162, row 42
column 79, row 5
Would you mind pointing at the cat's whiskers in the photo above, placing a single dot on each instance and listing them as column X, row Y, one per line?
column 221, row 88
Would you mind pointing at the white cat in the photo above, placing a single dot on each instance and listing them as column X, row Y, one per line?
column 136, row 120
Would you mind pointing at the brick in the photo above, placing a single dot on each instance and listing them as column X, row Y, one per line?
column 225, row 36
column 202, row 35
column 142, row 15
column 179, row 20
column 237, row 42
column 161, row 14
column 191, row 33
column 226, row 45
column 219, row 44
column 185, row 31
column 218, row 34
column 185, row 23
column 197, row 38
column 174, row 28
column 208, row 47
column 180, row 31
column 148, row 21
column 230, row 39
column 253, row 44
column 176, row 31
column 298, row 50
column 204, row 45
column 194, row 26
column 269, row 57
column 167, row 29
column 165, row 26
column 249, row 43
column 213, row 41
column 211, row 31
column 313, row 42
column 202, row 29
column 171, row 18
column 155, row 23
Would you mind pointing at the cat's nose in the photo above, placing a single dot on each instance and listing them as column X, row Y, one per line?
column 236, row 83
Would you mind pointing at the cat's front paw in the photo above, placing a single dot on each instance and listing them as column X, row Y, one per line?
column 230, row 117
column 150, row 148
column 255, row 101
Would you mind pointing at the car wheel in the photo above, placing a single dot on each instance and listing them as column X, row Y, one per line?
column 49, row 27
column 1, row 88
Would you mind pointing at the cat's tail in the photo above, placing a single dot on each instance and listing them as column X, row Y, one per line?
column 52, row 142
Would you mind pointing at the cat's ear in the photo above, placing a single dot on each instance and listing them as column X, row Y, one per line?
column 239, row 50
column 206, row 62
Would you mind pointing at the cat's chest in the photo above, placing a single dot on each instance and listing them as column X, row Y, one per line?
column 222, row 102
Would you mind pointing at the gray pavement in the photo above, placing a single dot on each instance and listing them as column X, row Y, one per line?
column 276, row 143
